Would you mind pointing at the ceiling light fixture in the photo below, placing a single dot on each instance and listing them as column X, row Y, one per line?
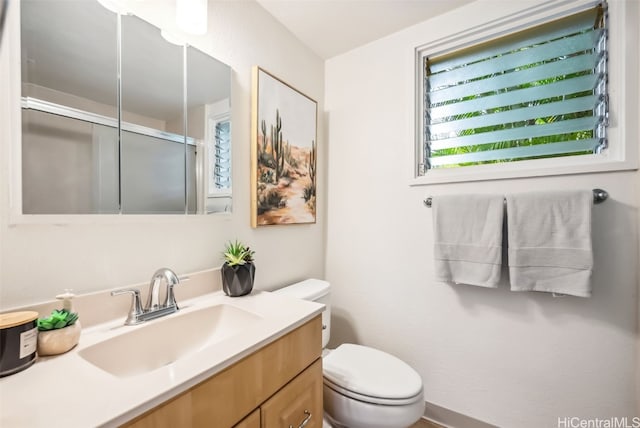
column 191, row 16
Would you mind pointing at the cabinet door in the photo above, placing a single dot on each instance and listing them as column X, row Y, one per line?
column 251, row 421
column 297, row 404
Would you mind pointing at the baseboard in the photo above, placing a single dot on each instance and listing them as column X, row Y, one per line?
column 450, row 419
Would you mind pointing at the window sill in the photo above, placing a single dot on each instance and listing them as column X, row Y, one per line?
column 523, row 169
column 219, row 195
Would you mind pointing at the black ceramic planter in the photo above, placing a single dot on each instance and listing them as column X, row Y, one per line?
column 238, row 280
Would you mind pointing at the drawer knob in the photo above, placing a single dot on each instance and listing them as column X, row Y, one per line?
column 305, row 421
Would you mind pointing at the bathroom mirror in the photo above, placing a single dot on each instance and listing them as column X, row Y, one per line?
column 152, row 137
column 69, row 108
column 163, row 147
column 209, row 120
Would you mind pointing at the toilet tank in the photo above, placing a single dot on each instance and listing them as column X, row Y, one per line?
column 315, row 290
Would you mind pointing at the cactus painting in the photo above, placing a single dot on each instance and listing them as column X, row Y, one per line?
column 283, row 153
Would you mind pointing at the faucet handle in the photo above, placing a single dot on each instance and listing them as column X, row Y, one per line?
column 171, row 298
column 136, row 307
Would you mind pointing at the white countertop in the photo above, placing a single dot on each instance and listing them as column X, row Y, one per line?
column 68, row 390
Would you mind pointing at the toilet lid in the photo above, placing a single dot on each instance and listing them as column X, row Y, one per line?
column 371, row 372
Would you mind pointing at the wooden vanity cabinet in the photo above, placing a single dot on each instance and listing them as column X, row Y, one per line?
column 297, row 404
column 251, row 421
column 277, row 386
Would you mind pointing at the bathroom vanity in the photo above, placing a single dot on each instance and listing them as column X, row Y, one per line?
column 278, row 385
column 245, row 362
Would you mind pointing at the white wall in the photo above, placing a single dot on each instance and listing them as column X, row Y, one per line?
column 505, row 358
column 39, row 260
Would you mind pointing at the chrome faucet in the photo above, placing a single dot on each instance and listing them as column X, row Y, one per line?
column 171, row 279
column 153, row 309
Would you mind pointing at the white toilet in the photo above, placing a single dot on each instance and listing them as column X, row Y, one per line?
column 363, row 387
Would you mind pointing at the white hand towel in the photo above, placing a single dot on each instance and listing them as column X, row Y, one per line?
column 468, row 238
column 550, row 242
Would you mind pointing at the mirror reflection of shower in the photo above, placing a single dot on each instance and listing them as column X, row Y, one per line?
column 96, row 144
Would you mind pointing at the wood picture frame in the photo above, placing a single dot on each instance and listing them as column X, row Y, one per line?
column 283, row 152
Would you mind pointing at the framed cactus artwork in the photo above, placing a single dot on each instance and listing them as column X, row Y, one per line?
column 283, row 153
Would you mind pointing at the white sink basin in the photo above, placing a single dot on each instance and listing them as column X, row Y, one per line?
column 165, row 340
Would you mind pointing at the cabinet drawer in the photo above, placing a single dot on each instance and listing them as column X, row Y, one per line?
column 298, row 404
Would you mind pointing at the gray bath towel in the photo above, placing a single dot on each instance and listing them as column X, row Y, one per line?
column 468, row 238
column 550, row 242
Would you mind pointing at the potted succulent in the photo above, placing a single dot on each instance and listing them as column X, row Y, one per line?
column 238, row 270
column 58, row 333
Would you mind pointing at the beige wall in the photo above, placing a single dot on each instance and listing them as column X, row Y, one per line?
column 39, row 260
column 505, row 358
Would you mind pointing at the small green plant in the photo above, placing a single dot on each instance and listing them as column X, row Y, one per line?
column 236, row 253
column 60, row 318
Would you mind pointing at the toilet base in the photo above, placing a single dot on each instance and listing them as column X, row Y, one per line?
column 343, row 411
column 327, row 422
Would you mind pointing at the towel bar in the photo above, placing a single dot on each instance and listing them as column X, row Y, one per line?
column 599, row 195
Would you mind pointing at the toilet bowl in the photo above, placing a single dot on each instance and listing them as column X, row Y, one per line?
column 363, row 387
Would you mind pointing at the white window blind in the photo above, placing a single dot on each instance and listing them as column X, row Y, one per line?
column 222, row 156
column 537, row 93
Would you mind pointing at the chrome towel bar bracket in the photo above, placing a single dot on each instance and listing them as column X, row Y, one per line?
column 599, row 196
